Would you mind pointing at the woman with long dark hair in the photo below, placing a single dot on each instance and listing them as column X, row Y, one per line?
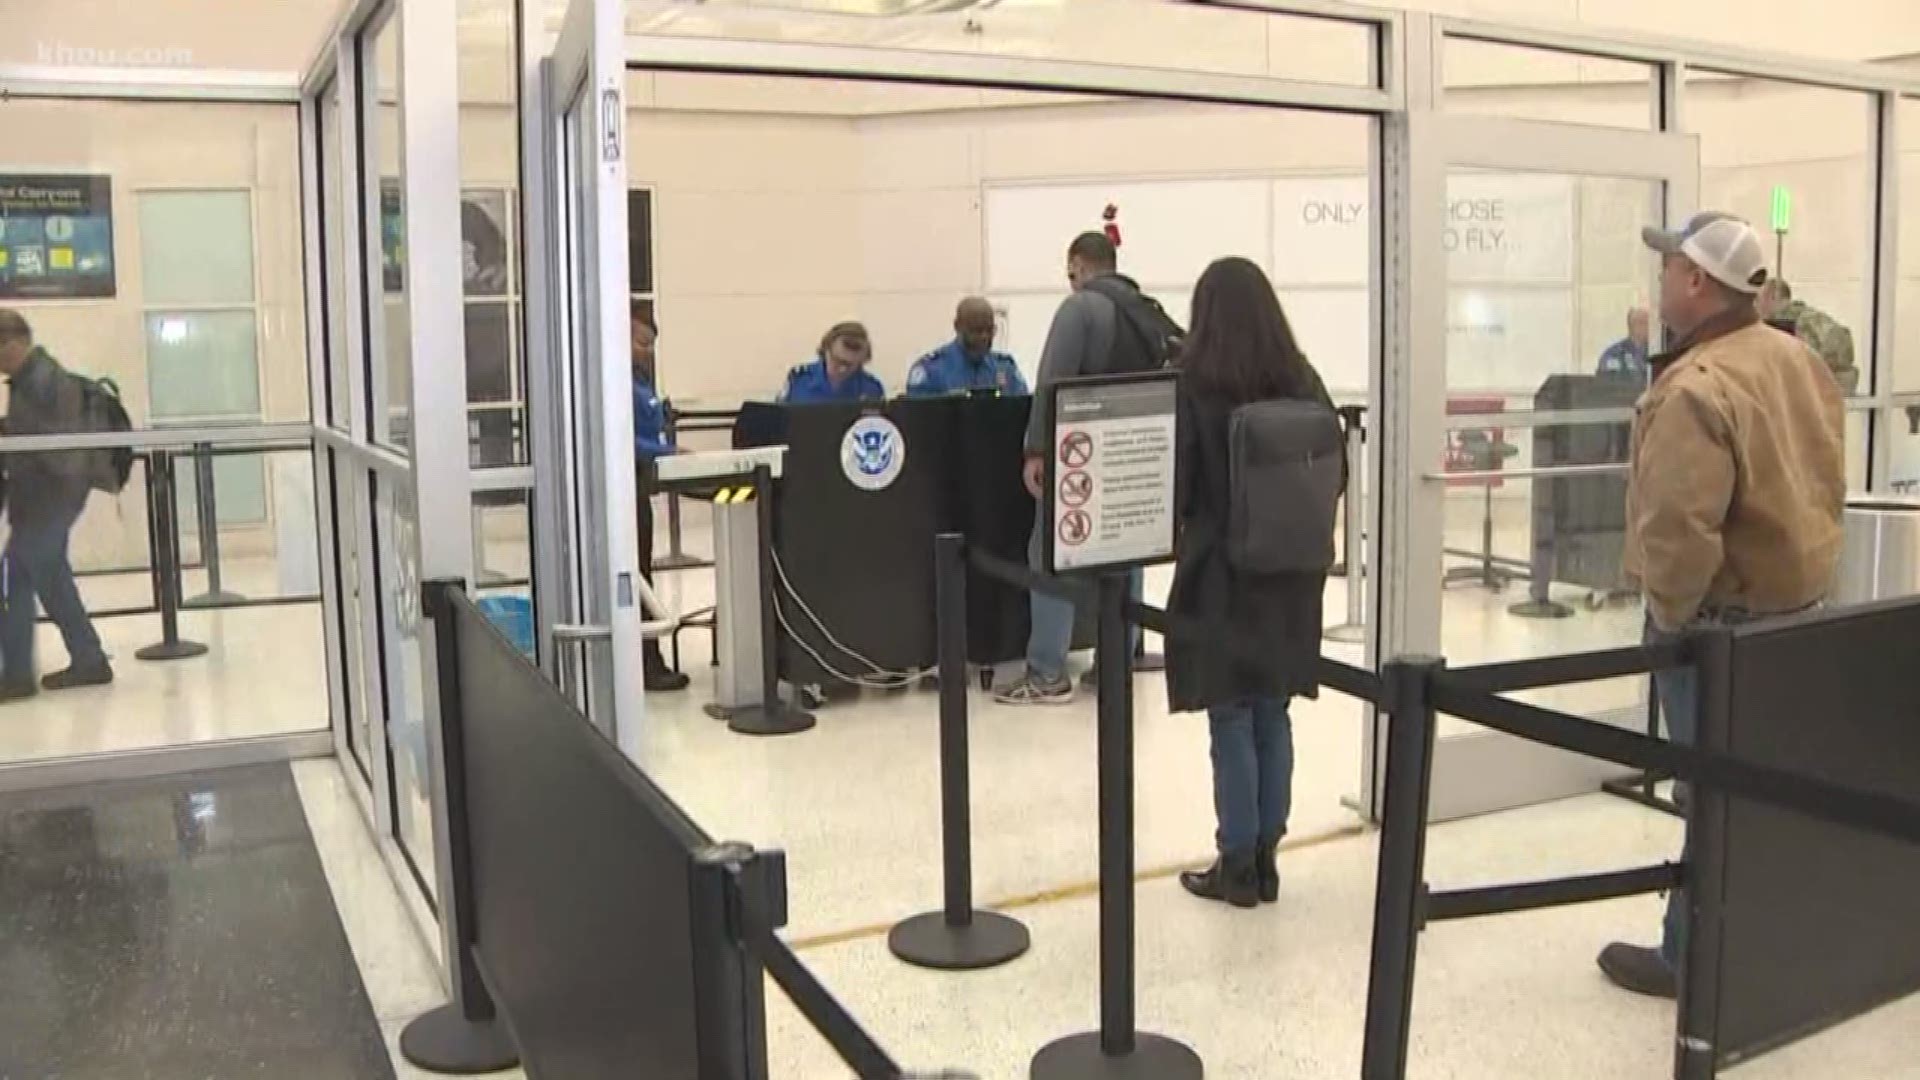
column 1241, row 350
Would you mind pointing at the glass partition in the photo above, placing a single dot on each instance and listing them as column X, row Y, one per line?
column 1124, row 33
column 1906, row 356
column 1809, row 185
column 389, row 356
column 177, row 275
column 1492, row 79
column 212, row 630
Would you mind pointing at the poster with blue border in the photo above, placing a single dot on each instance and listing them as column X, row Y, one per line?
column 56, row 237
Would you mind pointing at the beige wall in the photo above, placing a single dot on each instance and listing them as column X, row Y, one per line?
column 770, row 227
column 148, row 146
column 252, row 35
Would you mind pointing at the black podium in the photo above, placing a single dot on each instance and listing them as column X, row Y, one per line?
column 860, row 557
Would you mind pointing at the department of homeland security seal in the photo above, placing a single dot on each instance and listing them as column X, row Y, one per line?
column 873, row 453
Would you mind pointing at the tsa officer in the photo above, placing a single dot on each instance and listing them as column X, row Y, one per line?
column 968, row 362
column 650, row 444
column 838, row 372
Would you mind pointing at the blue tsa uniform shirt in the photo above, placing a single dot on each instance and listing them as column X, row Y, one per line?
column 1624, row 357
column 949, row 370
column 649, row 423
column 808, row 382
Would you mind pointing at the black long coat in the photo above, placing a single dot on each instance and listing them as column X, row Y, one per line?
column 1258, row 634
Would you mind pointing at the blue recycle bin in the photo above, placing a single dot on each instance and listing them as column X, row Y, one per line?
column 512, row 616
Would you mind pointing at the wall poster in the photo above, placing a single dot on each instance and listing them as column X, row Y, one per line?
column 56, row 237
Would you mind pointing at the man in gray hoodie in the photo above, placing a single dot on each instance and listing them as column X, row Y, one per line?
column 1080, row 342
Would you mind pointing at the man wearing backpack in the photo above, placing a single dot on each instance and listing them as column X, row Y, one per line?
column 1107, row 327
column 46, row 491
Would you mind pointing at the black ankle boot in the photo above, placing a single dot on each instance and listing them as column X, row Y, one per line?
column 1266, row 869
column 1231, row 878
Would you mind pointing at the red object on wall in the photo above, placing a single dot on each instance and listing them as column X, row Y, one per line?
column 1111, row 219
column 1468, row 449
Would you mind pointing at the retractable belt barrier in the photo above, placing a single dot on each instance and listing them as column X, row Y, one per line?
column 1418, row 689
column 1118, row 1048
column 639, row 945
column 1412, row 692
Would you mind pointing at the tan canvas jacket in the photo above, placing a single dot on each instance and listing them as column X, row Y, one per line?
column 1738, row 476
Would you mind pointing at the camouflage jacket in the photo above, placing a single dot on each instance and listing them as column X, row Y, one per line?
column 1825, row 336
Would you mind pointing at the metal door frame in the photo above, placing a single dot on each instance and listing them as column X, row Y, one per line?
column 1484, row 770
column 579, row 395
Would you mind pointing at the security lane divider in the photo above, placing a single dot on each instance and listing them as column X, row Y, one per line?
column 161, row 506
column 207, row 513
column 1417, row 690
column 165, row 563
column 958, row 937
column 1412, row 692
column 593, row 929
column 1353, row 559
column 1118, row 1048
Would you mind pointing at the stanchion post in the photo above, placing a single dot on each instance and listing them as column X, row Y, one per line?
column 208, row 520
column 1401, row 888
column 1696, row 1049
column 464, row 1036
column 1118, row 1049
column 1354, row 630
column 164, row 522
column 772, row 716
column 956, row 938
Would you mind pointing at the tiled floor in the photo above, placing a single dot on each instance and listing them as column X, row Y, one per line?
column 264, row 674
column 1273, row 994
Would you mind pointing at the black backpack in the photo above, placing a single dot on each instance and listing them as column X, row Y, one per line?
column 1145, row 337
column 1286, row 469
column 108, row 468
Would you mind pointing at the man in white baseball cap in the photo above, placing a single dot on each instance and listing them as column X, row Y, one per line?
column 1737, row 484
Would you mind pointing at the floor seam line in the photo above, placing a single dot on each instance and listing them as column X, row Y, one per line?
column 1060, row 894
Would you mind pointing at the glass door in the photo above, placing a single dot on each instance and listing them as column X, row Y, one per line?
column 1539, row 354
column 594, row 632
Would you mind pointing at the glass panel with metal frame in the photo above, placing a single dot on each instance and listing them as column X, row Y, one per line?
column 336, row 227
column 397, row 540
column 210, row 611
column 1798, row 162
column 1549, row 286
column 389, row 375
column 1488, row 78
column 893, row 201
column 1113, row 33
column 1906, row 350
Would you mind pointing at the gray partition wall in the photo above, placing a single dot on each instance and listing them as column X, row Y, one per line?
column 1816, row 921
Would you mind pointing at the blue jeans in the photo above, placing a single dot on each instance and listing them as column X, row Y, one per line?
column 1678, row 690
column 1050, row 636
column 35, row 566
column 1252, row 772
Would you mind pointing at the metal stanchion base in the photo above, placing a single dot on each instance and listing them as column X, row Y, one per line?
column 1640, row 790
column 222, row 598
column 778, row 719
column 444, row 1041
column 1347, row 633
column 1081, row 1057
column 681, row 562
column 172, row 650
column 1541, row 609
column 929, row 941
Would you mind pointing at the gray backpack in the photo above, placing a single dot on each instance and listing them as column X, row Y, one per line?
column 1285, row 475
